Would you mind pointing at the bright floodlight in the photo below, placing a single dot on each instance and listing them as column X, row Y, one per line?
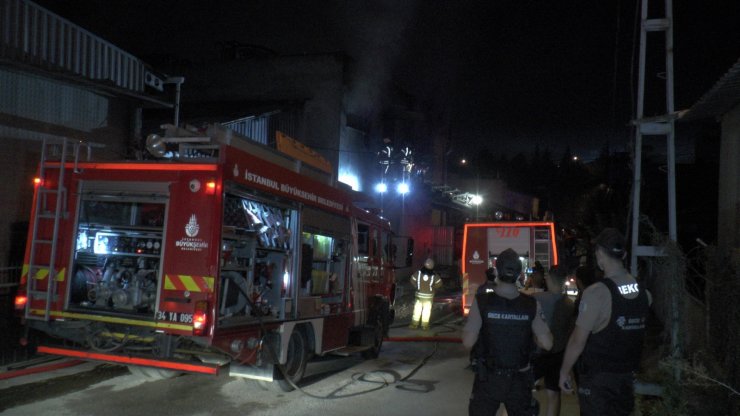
column 476, row 200
column 403, row 188
column 381, row 188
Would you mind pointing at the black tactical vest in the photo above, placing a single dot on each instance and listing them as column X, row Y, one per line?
column 506, row 332
column 617, row 348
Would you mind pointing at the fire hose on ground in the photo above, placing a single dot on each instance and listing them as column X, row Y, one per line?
column 363, row 377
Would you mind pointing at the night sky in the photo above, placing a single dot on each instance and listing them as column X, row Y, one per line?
column 512, row 74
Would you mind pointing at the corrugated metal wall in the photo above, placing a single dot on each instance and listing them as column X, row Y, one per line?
column 261, row 128
column 443, row 244
column 37, row 99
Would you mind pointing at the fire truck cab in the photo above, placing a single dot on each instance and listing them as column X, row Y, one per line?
column 228, row 254
column 534, row 241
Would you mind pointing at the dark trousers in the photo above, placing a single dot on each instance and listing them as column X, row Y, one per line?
column 513, row 389
column 606, row 394
column 548, row 366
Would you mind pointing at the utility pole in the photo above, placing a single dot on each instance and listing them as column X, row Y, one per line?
column 663, row 125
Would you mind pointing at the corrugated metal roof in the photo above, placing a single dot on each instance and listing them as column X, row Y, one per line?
column 723, row 97
column 33, row 39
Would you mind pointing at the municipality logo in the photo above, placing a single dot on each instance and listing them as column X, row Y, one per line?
column 476, row 258
column 190, row 243
column 192, row 227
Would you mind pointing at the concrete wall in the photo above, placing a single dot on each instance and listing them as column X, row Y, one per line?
column 18, row 161
column 728, row 232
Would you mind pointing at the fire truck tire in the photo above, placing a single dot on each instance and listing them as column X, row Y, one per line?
column 294, row 367
column 152, row 374
column 378, row 335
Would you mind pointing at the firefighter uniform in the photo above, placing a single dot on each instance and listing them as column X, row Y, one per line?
column 426, row 282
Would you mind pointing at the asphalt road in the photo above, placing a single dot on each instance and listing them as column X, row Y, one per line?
column 409, row 378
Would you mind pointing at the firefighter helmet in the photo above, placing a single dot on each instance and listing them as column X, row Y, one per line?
column 429, row 263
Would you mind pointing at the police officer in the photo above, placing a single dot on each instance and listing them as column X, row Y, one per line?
column 426, row 283
column 506, row 321
column 487, row 287
column 608, row 335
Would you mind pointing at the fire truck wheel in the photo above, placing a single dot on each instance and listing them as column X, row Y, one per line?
column 152, row 374
column 378, row 334
column 295, row 366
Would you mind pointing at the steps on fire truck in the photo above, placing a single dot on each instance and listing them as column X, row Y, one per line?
column 351, row 349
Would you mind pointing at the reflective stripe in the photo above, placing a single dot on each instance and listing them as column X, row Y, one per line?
column 465, row 294
column 168, row 283
column 114, row 320
column 190, row 283
column 42, row 272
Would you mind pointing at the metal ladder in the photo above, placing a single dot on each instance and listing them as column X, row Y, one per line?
column 50, row 207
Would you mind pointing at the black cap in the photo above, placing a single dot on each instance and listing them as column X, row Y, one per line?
column 508, row 265
column 612, row 242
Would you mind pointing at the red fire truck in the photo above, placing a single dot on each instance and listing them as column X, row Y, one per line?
column 483, row 242
column 229, row 254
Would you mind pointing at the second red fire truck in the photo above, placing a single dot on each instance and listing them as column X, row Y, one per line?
column 534, row 241
column 229, row 255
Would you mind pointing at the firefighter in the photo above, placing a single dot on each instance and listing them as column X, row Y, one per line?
column 507, row 322
column 607, row 339
column 426, row 282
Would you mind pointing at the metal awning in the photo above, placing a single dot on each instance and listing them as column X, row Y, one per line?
column 723, row 97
